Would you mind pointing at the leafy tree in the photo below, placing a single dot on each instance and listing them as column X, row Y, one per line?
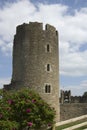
column 24, row 109
column 85, row 94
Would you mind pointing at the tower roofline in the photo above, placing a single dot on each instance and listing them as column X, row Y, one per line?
column 35, row 26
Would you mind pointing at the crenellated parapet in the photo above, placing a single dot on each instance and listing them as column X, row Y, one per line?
column 36, row 26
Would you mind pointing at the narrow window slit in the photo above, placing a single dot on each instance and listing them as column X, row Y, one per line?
column 48, row 48
column 48, row 67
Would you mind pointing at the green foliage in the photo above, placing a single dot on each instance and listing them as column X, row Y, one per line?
column 85, row 94
column 24, row 109
column 1, row 93
column 8, row 125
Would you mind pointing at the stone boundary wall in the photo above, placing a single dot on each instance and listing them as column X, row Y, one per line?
column 69, row 111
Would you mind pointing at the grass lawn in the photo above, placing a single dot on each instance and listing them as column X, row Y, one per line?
column 71, row 124
column 81, row 128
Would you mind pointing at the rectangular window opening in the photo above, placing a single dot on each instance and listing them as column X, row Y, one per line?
column 47, row 88
column 48, row 48
column 48, row 67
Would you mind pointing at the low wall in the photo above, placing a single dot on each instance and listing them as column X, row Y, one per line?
column 68, row 111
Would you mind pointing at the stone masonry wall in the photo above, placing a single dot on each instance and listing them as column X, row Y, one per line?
column 68, row 111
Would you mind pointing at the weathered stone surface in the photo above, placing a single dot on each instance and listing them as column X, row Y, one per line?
column 68, row 111
column 30, row 59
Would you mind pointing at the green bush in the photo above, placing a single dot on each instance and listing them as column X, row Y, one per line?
column 8, row 125
column 24, row 109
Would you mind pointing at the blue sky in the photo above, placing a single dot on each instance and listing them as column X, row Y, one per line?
column 70, row 19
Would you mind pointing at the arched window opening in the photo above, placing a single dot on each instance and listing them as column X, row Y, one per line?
column 47, row 88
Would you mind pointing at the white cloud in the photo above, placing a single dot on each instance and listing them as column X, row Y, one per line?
column 73, row 64
column 72, row 31
column 12, row 15
column 4, row 81
column 77, row 90
column 75, row 28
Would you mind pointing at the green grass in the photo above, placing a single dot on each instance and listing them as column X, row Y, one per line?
column 70, row 124
column 81, row 128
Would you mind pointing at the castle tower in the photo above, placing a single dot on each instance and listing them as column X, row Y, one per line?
column 36, row 61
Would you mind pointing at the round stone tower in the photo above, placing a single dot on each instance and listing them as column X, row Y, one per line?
column 36, row 62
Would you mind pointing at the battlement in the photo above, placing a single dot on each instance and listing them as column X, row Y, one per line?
column 50, row 28
column 31, row 26
column 36, row 26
